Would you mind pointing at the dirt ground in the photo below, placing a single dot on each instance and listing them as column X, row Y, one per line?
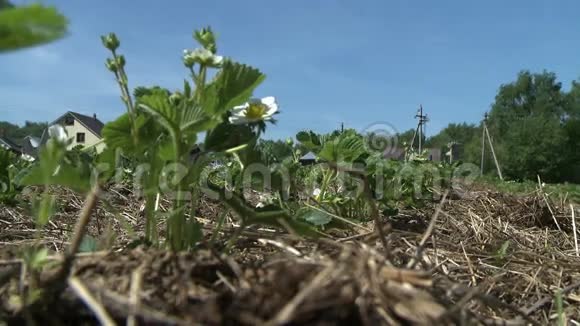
column 486, row 258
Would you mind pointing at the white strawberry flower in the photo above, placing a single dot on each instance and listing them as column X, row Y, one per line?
column 254, row 110
column 58, row 133
column 202, row 56
column 316, row 192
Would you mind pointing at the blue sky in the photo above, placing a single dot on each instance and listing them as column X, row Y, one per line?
column 327, row 62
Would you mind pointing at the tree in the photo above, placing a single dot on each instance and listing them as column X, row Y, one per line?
column 404, row 138
column 275, row 151
column 526, row 121
column 464, row 134
column 16, row 133
column 572, row 132
column 461, row 133
column 31, row 25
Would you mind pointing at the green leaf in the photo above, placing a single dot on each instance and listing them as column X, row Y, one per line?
column 58, row 167
column 232, row 86
column 142, row 91
column 330, row 151
column 158, row 106
column 194, row 119
column 166, row 150
column 501, row 253
column 315, row 217
column 117, row 134
column 43, row 209
column 187, row 93
column 193, row 233
column 31, row 25
column 110, row 158
column 310, row 140
column 88, row 244
column 343, row 149
column 226, row 136
column 74, row 177
column 35, row 258
column 273, row 215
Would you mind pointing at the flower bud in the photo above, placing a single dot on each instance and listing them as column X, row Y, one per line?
column 206, row 38
column 175, row 98
column 111, row 64
column 120, row 61
column 110, row 41
column 188, row 59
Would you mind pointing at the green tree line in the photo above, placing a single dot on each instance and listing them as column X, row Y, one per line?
column 534, row 125
column 16, row 133
column 535, row 128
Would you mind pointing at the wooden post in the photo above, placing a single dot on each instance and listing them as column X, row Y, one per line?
column 414, row 135
column 420, row 127
column 493, row 153
column 483, row 142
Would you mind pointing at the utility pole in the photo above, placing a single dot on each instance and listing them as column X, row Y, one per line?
column 341, row 127
column 451, row 145
column 483, row 141
column 420, row 127
column 486, row 133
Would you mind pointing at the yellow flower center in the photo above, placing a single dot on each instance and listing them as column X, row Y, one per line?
column 256, row 111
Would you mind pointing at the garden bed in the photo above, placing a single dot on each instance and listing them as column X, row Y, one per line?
column 485, row 258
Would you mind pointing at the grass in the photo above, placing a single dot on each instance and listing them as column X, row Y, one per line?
column 562, row 191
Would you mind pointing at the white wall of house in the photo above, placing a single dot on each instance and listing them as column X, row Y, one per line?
column 90, row 138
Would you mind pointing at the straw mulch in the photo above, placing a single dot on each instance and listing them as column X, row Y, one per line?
column 485, row 258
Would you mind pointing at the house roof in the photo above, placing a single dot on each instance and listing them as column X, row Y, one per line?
column 308, row 156
column 6, row 142
column 34, row 141
column 30, row 146
column 92, row 123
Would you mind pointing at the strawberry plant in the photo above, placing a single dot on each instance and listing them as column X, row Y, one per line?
column 161, row 128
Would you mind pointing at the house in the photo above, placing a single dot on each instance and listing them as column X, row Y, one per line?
column 84, row 130
column 308, row 159
column 433, row 154
column 29, row 148
column 9, row 145
column 455, row 152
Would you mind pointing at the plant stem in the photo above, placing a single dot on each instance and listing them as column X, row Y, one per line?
column 149, row 216
column 221, row 220
column 325, row 182
column 193, row 75
column 175, row 231
column 200, row 85
column 122, row 80
column 235, row 237
column 83, row 221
